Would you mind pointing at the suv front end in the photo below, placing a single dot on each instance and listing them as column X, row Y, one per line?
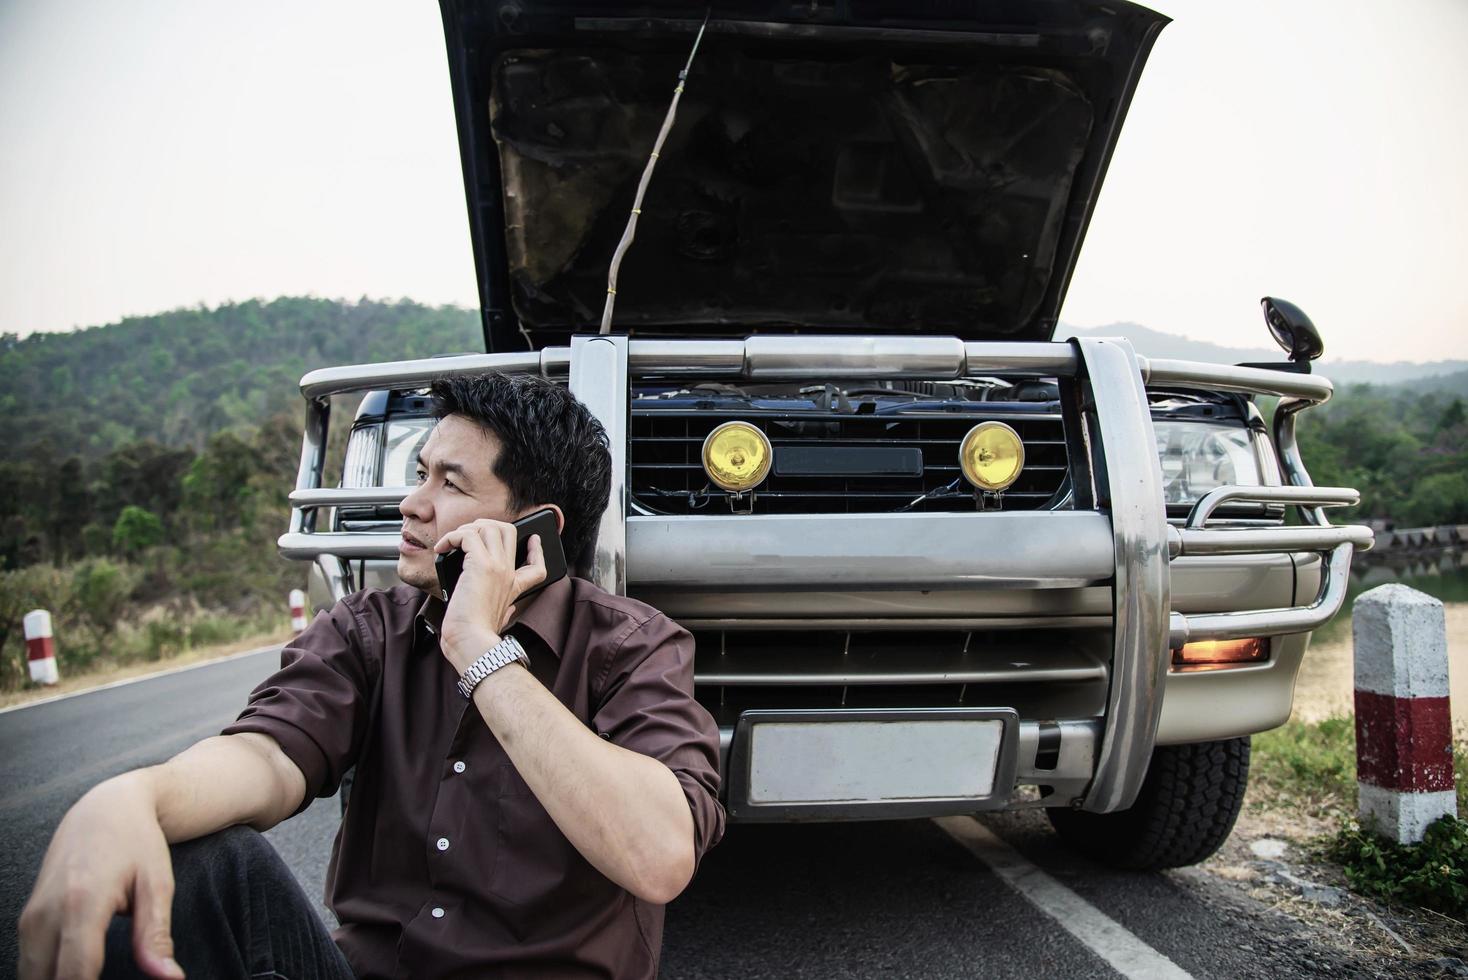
column 878, row 633
column 1060, row 616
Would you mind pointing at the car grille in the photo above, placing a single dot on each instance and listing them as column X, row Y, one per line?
column 667, row 476
column 1041, row 672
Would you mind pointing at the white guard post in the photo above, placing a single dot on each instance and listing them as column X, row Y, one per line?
column 1404, row 749
column 298, row 611
column 40, row 648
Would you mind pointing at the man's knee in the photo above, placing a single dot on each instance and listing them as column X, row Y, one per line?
column 239, row 844
column 221, row 881
column 221, row 862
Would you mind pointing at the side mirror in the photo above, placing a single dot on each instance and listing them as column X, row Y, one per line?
column 1292, row 329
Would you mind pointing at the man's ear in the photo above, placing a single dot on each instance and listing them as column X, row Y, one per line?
column 560, row 517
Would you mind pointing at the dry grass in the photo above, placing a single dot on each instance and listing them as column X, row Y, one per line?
column 106, row 674
column 1326, row 681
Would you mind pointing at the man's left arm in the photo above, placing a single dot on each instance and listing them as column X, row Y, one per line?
column 625, row 811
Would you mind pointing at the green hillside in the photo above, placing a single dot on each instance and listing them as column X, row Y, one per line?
column 177, row 377
column 147, row 465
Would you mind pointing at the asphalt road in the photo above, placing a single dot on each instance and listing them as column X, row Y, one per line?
column 895, row 899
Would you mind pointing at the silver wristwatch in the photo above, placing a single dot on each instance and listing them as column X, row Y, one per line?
column 502, row 654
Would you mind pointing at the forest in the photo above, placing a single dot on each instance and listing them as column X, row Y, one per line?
column 1405, row 447
column 147, row 464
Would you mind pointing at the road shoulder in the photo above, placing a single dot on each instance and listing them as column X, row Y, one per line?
column 101, row 680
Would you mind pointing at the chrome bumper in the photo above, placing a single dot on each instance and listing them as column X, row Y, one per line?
column 1125, row 545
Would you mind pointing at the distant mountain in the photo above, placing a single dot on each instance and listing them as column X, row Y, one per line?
column 176, row 378
column 1443, row 375
column 1455, row 383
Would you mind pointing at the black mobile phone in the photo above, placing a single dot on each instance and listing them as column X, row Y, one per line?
column 450, row 565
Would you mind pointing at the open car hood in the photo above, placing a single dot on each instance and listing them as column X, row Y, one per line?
column 894, row 167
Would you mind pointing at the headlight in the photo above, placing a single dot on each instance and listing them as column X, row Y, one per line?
column 363, row 462
column 737, row 456
column 991, row 456
column 1200, row 456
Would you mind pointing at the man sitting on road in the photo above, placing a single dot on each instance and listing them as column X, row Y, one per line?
column 535, row 829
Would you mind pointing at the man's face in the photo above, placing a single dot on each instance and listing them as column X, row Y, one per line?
column 456, row 485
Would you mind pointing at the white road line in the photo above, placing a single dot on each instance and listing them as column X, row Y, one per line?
column 134, row 680
column 1121, row 949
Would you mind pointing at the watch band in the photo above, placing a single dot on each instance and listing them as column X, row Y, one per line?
column 502, row 654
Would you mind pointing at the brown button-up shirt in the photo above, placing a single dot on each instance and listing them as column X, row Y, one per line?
column 446, row 864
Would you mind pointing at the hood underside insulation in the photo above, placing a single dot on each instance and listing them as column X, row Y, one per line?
column 821, row 194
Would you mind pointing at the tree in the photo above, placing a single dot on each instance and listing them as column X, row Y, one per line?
column 217, row 487
column 142, row 474
column 1453, row 416
column 136, row 530
column 100, row 591
column 72, row 510
column 1439, row 499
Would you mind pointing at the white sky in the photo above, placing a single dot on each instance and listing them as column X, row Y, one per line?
column 162, row 153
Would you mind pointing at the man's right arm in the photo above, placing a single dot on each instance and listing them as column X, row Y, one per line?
column 303, row 726
column 223, row 781
column 110, row 852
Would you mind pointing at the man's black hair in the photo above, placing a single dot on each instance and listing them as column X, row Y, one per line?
column 553, row 450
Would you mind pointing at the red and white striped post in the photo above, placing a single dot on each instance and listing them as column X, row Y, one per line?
column 298, row 611
column 1404, row 731
column 40, row 648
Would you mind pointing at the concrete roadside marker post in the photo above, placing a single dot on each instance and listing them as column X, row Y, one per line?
column 40, row 648
column 298, row 611
column 1404, row 747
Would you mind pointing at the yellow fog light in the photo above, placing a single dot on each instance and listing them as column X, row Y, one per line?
column 737, row 456
column 991, row 456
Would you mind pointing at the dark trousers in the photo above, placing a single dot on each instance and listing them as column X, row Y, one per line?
column 237, row 913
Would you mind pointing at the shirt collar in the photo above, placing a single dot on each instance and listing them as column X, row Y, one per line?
column 548, row 616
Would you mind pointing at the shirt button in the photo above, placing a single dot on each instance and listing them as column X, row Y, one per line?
column 459, row 766
column 437, row 913
column 443, row 843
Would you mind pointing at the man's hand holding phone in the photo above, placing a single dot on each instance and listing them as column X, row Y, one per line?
column 483, row 600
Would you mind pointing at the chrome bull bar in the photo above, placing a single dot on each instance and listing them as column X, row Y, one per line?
column 1142, row 544
column 1196, row 538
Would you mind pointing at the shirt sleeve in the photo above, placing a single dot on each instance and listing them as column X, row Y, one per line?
column 647, row 706
column 317, row 705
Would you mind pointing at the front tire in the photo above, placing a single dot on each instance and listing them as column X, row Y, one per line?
column 1185, row 811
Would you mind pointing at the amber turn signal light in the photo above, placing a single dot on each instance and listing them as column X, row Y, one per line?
column 1215, row 654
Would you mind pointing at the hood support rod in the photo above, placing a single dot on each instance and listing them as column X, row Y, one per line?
column 631, row 230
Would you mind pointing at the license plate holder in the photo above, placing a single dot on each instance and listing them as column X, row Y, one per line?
column 871, row 764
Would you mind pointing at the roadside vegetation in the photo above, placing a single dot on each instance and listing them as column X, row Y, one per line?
column 1311, row 766
column 147, row 465
column 189, row 560
column 1432, row 874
